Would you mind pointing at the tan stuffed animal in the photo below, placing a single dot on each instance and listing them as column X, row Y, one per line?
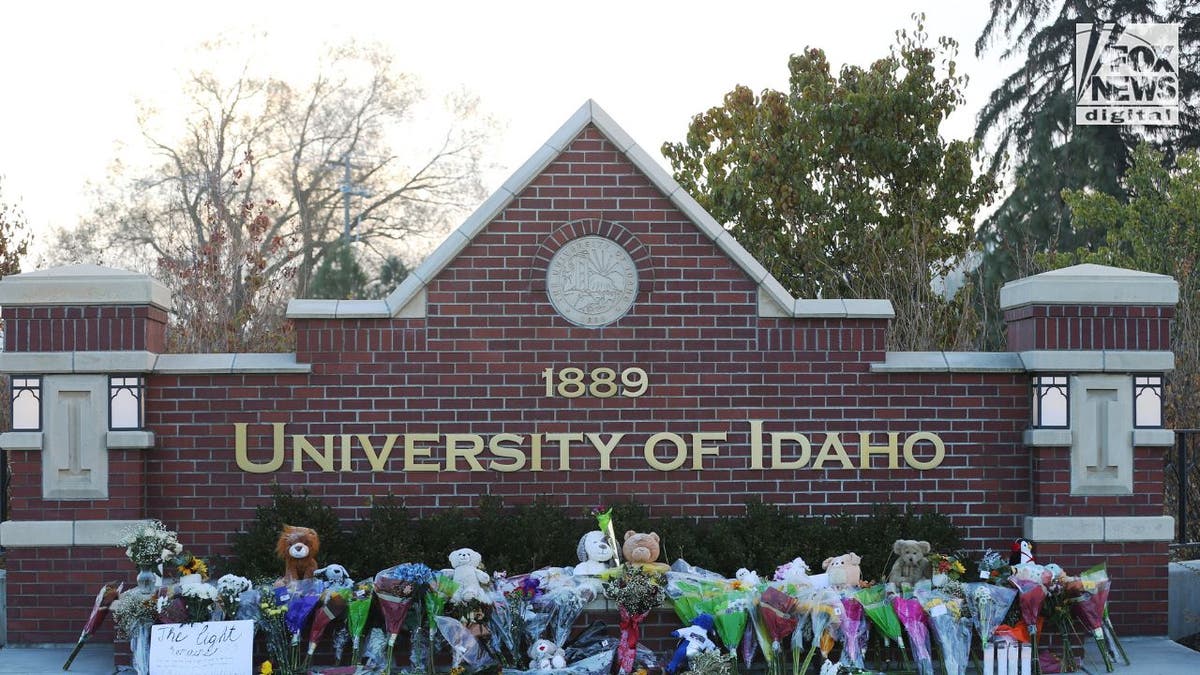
column 640, row 548
column 844, row 571
column 911, row 564
column 298, row 547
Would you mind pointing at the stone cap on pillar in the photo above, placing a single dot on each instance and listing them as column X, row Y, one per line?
column 83, row 285
column 1090, row 284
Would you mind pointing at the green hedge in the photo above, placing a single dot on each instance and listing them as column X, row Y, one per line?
column 519, row 538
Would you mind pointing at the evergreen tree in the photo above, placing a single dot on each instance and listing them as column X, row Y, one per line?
column 1029, row 122
column 339, row 276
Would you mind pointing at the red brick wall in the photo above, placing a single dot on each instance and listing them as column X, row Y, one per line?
column 83, row 328
column 474, row 363
column 1089, row 327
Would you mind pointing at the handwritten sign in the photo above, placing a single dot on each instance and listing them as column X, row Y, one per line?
column 212, row 648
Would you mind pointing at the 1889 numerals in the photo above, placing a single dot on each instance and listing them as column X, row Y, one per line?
column 599, row 382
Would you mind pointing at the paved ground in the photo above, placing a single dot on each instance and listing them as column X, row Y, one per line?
column 1150, row 656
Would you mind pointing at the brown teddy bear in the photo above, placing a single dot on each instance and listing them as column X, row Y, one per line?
column 911, row 564
column 844, row 571
column 298, row 547
column 640, row 548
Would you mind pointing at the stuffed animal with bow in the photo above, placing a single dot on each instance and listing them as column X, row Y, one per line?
column 693, row 640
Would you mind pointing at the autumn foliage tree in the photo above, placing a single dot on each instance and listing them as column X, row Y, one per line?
column 843, row 186
column 227, row 295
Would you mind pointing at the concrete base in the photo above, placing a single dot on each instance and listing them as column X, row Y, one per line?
column 1183, row 599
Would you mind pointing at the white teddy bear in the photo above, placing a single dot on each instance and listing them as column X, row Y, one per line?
column 594, row 554
column 468, row 575
column 545, row 655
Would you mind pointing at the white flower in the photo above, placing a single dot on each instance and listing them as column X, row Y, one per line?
column 178, row 547
column 201, row 591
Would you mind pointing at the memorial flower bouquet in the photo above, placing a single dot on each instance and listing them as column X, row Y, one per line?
column 107, row 594
column 881, row 613
column 1032, row 597
column 441, row 588
column 566, row 603
column 953, row 630
column 230, row 589
column 826, row 618
column 945, row 567
column 636, row 591
column 778, row 614
column 396, row 588
column 271, row 624
column 357, row 610
column 199, row 600
column 151, row 544
column 854, row 633
column 1088, row 609
column 133, row 615
column 333, row 606
column 912, row 617
column 1099, row 573
column 513, row 616
column 987, row 605
column 730, row 620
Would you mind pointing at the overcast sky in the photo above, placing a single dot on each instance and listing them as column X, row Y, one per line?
column 70, row 73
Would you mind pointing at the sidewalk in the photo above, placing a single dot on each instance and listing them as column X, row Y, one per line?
column 1150, row 656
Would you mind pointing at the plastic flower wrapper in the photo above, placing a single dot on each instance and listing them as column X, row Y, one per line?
column 441, row 588
column 1088, row 609
column 950, row 625
column 106, row 596
column 854, row 633
column 778, row 615
column 825, row 615
column 987, row 605
column 912, row 617
column 881, row 613
column 333, row 606
column 805, row 601
column 1096, row 574
column 636, row 592
column 396, row 588
column 566, row 603
column 357, row 610
column 465, row 648
column 604, row 521
column 730, row 619
column 300, row 598
column 1032, row 595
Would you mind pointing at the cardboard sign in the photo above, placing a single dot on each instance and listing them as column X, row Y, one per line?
column 212, row 648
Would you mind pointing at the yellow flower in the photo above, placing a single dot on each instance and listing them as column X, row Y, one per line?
column 958, row 567
column 266, row 668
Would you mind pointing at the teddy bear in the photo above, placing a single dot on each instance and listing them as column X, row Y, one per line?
column 469, row 576
column 545, row 655
column 911, row 564
column 594, row 553
column 693, row 640
column 844, row 570
column 335, row 575
column 640, row 548
column 297, row 547
column 794, row 572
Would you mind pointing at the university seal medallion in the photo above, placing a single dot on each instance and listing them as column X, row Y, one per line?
column 592, row 281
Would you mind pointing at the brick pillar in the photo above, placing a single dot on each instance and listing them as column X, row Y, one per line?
column 77, row 476
column 1097, row 487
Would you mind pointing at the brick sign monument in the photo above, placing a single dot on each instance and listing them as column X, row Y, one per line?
column 590, row 328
